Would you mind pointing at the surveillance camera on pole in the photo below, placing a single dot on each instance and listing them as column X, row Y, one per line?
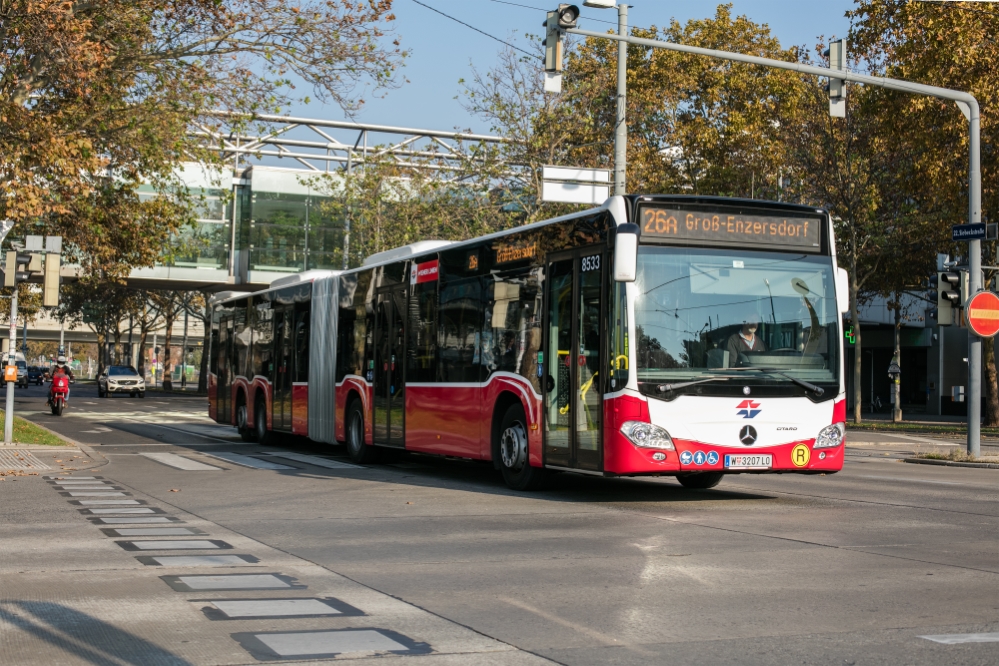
column 837, row 87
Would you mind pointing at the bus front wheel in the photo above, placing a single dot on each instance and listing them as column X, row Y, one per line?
column 513, row 452
column 700, row 480
column 359, row 452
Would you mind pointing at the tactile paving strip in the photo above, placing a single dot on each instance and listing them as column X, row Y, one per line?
column 20, row 460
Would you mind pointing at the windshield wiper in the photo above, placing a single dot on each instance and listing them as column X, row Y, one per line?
column 818, row 390
column 669, row 388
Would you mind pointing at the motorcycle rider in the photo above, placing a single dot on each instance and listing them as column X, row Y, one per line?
column 61, row 370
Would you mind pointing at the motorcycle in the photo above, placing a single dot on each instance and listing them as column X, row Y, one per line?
column 60, row 389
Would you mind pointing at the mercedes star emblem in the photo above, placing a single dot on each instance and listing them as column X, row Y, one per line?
column 748, row 435
column 745, row 390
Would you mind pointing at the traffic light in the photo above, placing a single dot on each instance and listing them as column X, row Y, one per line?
column 837, row 87
column 563, row 18
column 948, row 286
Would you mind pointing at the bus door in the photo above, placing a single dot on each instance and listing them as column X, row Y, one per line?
column 223, row 373
column 573, row 381
column 281, row 390
column 390, row 356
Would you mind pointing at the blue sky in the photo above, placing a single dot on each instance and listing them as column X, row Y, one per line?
column 442, row 50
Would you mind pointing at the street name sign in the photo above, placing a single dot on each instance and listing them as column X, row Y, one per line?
column 983, row 314
column 967, row 232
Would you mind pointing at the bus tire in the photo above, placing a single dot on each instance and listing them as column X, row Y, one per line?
column 700, row 480
column 263, row 435
column 514, row 460
column 359, row 452
column 246, row 433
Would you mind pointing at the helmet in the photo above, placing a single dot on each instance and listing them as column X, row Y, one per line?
column 61, row 360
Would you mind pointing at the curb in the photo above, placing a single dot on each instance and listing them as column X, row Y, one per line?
column 94, row 455
column 950, row 463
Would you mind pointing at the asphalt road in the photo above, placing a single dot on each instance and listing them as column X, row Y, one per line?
column 440, row 560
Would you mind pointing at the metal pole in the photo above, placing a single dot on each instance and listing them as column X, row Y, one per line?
column 968, row 105
column 62, row 337
column 621, row 127
column 183, row 356
column 131, row 349
column 24, row 347
column 975, row 285
column 8, row 419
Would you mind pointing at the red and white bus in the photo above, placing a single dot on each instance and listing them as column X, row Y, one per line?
column 655, row 335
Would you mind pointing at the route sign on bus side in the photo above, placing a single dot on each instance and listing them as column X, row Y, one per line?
column 983, row 314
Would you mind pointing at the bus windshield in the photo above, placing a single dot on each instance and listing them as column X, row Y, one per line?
column 701, row 312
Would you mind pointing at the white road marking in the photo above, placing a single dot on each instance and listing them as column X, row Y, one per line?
column 247, row 461
column 137, row 521
column 70, row 478
column 97, row 494
column 955, row 639
column 180, row 462
column 141, row 509
column 106, row 502
column 895, row 478
column 315, row 460
column 240, row 608
column 234, row 582
column 76, row 487
column 155, row 531
column 175, row 545
column 202, row 561
column 303, row 643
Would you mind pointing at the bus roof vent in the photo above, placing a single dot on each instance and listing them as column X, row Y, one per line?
column 405, row 252
column 304, row 276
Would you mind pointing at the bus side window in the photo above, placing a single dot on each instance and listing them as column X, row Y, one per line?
column 513, row 327
column 460, row 335
column 422, row 344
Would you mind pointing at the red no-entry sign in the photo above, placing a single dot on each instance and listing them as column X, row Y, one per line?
column 983, row 314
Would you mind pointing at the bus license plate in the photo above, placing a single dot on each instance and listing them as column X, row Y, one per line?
column 749, row 461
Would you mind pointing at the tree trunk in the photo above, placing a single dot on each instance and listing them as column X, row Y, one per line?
column 858, row 399
column 169, row 318
column 117, row 347
column 141, row 357
column 991, row 389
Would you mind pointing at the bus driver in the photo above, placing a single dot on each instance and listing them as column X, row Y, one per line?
column 744, row 340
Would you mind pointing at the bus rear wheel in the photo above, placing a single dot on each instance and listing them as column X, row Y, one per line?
column 246, row 433
column 263, row 435
column 513, row 452
column 359, row 452
column 700, row 480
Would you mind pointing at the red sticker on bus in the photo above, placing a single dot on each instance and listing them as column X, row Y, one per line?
column 425, row 272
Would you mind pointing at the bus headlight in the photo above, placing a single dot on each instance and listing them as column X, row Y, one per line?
column 647, row 436
column 830, row 436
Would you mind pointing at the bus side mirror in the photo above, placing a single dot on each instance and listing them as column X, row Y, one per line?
column 626, row 253
column 843, row 290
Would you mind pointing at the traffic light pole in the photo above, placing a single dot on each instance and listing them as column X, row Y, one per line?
column 8, row 417
column 965, row 101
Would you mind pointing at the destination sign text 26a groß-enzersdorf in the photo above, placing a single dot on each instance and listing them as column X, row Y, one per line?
column 731, row 228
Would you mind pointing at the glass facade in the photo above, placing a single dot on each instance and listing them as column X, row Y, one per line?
column 289, row 231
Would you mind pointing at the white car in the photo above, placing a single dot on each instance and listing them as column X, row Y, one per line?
column 121, row 379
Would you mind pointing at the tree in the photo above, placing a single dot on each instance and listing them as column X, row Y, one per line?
column 103, row 305
column 950, row 45
column 169, row 304
column 96, row 97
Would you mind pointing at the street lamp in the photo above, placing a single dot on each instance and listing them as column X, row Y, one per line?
column 621, row 126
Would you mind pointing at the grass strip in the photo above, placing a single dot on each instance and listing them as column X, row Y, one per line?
column 26, row 432
column 915, row 427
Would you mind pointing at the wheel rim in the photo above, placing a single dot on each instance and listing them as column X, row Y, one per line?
column 354, row 437
column 513, row 447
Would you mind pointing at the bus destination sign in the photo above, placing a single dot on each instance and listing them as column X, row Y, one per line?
column 693, row 226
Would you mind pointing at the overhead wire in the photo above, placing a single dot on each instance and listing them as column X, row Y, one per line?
column 481, row 32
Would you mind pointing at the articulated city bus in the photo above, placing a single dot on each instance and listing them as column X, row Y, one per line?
column 655, row 335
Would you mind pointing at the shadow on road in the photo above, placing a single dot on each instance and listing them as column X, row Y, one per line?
column 83, row 636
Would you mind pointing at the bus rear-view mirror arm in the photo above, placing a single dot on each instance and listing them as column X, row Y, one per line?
column 626, row 253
